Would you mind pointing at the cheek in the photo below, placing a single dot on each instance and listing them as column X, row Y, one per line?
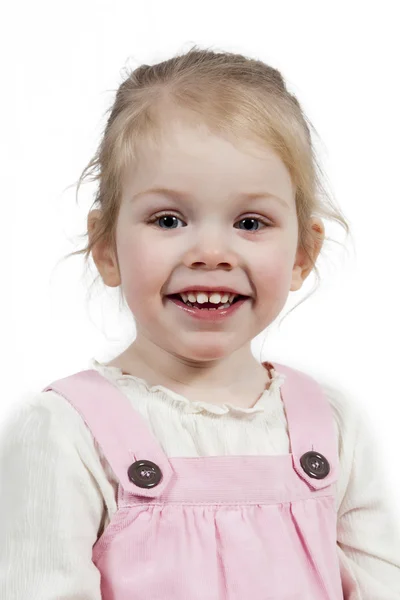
column 272, row 281
column 272, row 274
column 142, row 268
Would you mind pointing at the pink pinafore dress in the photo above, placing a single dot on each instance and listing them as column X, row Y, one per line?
column 216, row 527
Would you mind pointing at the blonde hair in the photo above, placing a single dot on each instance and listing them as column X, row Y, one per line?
column 231, row 94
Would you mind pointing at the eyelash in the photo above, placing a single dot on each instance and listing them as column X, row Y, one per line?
column 168, row 214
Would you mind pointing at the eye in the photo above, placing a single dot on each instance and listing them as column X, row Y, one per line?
column 167, row 219
column 254, row 220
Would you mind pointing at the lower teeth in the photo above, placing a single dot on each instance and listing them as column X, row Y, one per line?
column 227, row 305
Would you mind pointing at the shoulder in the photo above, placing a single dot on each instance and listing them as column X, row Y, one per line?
column 46, row 427
column 47, row 411
column 345, row 411
column 47, row 423
column 352, row 432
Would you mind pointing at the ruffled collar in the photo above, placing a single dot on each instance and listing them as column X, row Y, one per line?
column 116, row 374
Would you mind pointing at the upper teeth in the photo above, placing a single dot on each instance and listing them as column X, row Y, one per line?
column 213, row 297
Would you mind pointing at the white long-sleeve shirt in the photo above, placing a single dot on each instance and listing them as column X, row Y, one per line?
column 58, row 493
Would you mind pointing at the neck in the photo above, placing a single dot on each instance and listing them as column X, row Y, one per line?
column 237, row 375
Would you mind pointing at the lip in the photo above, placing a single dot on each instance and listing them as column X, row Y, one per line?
column 208, row 315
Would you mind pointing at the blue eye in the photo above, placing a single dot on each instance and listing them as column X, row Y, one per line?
column 254, row 220
column 167, row 217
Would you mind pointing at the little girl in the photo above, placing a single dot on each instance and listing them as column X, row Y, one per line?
column 184, row 469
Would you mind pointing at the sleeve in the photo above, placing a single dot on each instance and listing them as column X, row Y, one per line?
column 50, row 510
column 368, row 532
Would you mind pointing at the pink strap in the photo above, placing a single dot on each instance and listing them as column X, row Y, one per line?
column 310, row 422
column 121, row 432
column 125, row 437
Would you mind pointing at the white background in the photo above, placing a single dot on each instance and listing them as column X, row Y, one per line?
column 61, row 64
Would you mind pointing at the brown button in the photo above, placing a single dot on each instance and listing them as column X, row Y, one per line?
column 315, row 465
column 145, row 474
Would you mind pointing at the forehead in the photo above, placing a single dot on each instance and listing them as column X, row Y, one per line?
column 192, row 157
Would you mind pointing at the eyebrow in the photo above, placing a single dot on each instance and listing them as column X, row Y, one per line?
column 176, row 194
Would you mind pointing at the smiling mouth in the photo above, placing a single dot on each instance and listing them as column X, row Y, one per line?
column 204, row 305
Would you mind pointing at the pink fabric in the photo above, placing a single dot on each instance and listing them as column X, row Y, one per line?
column 216, row 527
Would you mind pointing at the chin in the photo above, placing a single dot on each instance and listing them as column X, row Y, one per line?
column 207, row 350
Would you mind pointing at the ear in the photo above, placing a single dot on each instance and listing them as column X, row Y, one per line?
column 104, row 257
column 303, row 265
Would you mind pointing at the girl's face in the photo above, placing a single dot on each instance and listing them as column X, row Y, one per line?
column 206, row 240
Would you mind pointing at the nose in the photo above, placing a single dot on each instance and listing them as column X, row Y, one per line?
column 211, row 249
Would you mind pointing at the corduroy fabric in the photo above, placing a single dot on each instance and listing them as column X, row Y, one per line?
column 216, row 527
